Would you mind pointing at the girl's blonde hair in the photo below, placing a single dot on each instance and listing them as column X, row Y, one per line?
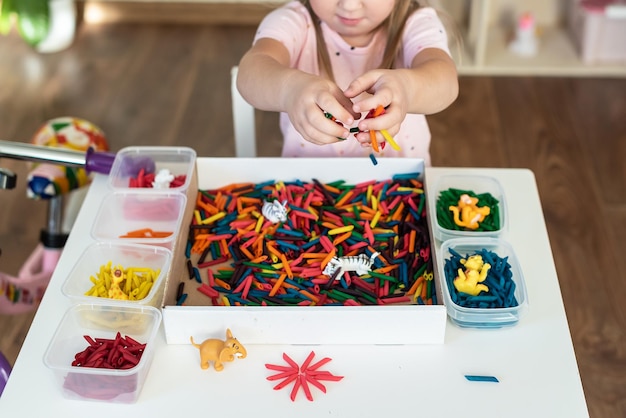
column 393, row 26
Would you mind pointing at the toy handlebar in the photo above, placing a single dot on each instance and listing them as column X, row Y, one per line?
column 92, row 161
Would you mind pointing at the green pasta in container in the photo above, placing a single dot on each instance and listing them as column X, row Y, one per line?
column 453, row 203
column 467, row 206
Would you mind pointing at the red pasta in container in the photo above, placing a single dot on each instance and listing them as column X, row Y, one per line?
column 103, row 351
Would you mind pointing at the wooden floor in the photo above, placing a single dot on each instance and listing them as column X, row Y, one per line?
column 153, row 84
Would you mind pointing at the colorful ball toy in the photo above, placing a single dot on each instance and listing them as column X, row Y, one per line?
column 46, row 180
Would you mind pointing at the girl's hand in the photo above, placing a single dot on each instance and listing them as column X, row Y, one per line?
column 386, row 88
column 267, row 82
column 306, row 100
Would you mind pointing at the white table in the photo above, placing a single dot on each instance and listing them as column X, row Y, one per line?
column 534, row 360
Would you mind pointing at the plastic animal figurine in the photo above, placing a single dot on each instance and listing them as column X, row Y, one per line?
column 163, row 179
column 360, row 264
column 470, row 280
column 219, row 351
column 275, row 211
column 467, row 214
column 117, row 276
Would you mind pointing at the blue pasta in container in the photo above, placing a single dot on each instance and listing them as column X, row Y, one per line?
column 482, row 282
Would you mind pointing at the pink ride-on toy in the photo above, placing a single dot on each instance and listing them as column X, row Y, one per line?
column 64, row 152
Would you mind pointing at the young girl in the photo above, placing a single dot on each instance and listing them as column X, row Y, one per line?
column 311, row 58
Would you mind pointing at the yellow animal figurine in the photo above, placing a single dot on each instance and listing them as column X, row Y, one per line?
column 470, row 280
column 219, row 351
column 115, row 291
column 467, row 214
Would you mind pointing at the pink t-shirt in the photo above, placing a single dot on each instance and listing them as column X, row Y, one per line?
column 291, row 24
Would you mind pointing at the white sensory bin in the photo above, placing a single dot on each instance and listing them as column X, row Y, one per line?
column 301, row 324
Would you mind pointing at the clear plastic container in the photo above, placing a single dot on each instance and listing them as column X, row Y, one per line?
column 129, row 161
column 475, row 317
column 142, row 218
column 127, row 256
column 476, row 184
column 141, row 323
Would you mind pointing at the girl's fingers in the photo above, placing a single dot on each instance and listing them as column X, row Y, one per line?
column 322, row 131
column 362, row 84
column 341, row 109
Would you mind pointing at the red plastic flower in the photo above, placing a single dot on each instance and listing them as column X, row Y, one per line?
column 302, row 376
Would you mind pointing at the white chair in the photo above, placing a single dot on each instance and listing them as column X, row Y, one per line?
column 243, row 121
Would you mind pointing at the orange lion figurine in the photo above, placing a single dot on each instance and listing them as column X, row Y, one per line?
column 219, row 351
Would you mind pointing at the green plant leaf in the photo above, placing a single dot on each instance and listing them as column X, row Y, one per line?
column 33, row 19
column 6, row 10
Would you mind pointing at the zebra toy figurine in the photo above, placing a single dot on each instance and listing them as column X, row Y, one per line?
column 275, row 211
column 361, row 264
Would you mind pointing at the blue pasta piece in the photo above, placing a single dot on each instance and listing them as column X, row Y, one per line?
column 196, row 274
column 475, row 378
column 188, row 249
column 455, row 254
column 488, row 257
column 181, row 299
